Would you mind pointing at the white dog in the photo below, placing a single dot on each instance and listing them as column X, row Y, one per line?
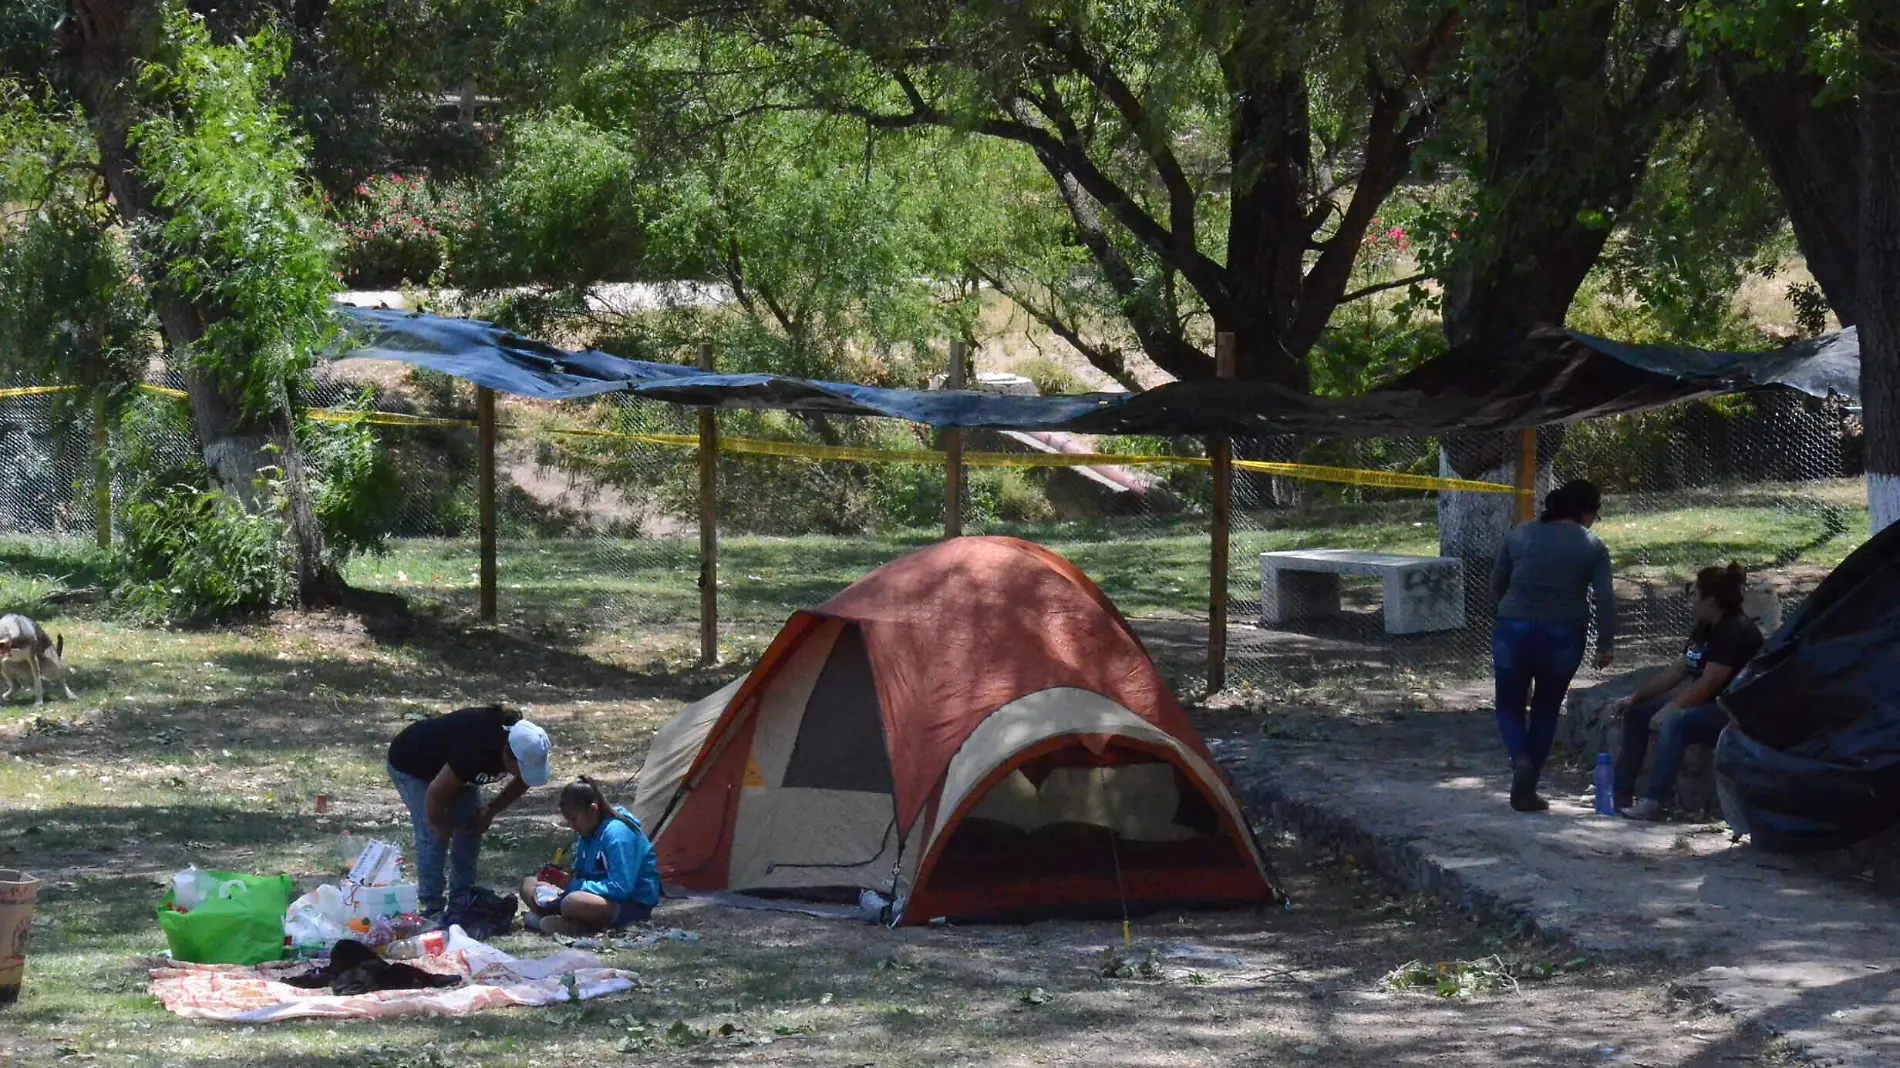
column 26, row 652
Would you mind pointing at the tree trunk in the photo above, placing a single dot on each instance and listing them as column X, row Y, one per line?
column 1472, row 526
column 1270, row 163
column 1879, row 259
column 97, row 39
column 1812, row 151
column 1565, row 153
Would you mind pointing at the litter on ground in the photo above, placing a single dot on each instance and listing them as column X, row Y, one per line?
column 495, row 980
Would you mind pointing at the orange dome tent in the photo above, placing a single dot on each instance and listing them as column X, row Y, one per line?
column 971, row 730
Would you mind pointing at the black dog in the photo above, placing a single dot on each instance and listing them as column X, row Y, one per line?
column 354, row 968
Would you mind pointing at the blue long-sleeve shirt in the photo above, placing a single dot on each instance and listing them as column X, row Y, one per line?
column 1544, row 572
column 617, row 862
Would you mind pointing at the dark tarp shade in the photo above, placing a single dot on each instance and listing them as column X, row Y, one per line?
column 1815, row 758
column 1552, row 376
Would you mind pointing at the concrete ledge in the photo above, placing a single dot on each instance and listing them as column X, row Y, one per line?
column 1767, row 937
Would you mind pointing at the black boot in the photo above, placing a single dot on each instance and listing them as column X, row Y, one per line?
column 1524, row 787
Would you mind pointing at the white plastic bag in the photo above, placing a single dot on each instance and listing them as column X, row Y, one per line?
column 192, row 887
column 332, row 902
column 306, row 924
column 871, row 906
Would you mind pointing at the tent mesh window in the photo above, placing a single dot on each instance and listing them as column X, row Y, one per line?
column 840, row 743
column 1070, row 813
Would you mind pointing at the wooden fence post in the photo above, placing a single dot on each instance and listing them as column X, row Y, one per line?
column 953, row 451
column 1527, row 475
column 1220, row 450
column 708, row 524
column 101, row 474
column 485, row 492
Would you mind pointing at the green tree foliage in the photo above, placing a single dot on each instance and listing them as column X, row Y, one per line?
column 26, row 38
column 566, row 210
column 70, row 313
column 1218, row 162
column 1706, row 218
column 243, row 236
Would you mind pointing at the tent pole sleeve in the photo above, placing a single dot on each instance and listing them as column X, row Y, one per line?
column 1527, row 475
column 953, row 452
column 708, row 524
column 485, row 492
column 1220, row 450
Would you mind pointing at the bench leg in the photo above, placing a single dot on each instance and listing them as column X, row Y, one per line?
column 1287, row 595
column 1419, row 600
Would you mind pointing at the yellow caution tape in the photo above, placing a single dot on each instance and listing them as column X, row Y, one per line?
column 1309, row 472
column 348, row 415
column 34, row 391
column 40, row 391
column 1350, row 476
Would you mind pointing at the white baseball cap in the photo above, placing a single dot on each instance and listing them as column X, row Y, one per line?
column 529, row 743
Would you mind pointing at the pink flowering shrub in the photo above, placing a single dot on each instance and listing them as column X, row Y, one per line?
column 401, row 228
column 1383, row 246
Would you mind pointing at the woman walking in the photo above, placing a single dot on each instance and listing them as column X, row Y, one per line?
column 1542, row 579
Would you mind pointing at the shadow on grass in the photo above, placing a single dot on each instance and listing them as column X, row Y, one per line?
column 35, row 572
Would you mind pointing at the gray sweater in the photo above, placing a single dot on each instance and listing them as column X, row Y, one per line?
column 1543, row 573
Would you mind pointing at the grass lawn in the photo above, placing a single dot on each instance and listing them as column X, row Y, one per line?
column 1148, row 566
column 208, row 748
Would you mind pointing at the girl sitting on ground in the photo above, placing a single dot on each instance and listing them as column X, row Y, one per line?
column 1679, row 706
column 615, row 879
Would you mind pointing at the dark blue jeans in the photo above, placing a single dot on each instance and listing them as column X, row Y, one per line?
column 461, row 852
column 1700, row 725
column 1533, row 663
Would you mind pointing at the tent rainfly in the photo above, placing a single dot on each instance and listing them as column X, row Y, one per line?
column 972, row 731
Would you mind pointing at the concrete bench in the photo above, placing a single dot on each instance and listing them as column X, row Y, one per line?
column 1422, row 593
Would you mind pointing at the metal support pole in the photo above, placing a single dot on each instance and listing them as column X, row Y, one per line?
column 485, row 492
column 1220, row 451
column 953, row 451
column 1527, row 475
column 708, row 525
column 101, row 474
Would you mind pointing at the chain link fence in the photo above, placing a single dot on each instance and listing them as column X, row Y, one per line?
column 47, row 474
column 597, row 506
column 1769, row 480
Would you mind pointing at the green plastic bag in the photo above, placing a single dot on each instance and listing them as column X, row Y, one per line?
column 242, row 924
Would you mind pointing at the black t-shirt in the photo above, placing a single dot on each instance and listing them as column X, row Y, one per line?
column 1731, row 641
column 468, row 740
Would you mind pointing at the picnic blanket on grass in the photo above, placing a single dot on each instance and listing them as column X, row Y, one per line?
column 495, row 980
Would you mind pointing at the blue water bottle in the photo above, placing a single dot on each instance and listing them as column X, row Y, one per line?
column 1606, row 786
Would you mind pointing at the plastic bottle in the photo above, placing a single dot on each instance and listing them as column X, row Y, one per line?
column 427, row 944
column 1605, row 778
column 349, row 849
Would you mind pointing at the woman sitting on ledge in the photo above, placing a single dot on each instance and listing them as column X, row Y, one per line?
column 1679, row 705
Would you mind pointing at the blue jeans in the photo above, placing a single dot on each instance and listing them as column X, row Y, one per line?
column 626, row 913
column 461, row 852
column 1700, row 725
column 1533, row 663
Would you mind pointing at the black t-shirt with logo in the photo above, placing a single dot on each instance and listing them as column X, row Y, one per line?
column 470, row 741
column 1731, row 641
